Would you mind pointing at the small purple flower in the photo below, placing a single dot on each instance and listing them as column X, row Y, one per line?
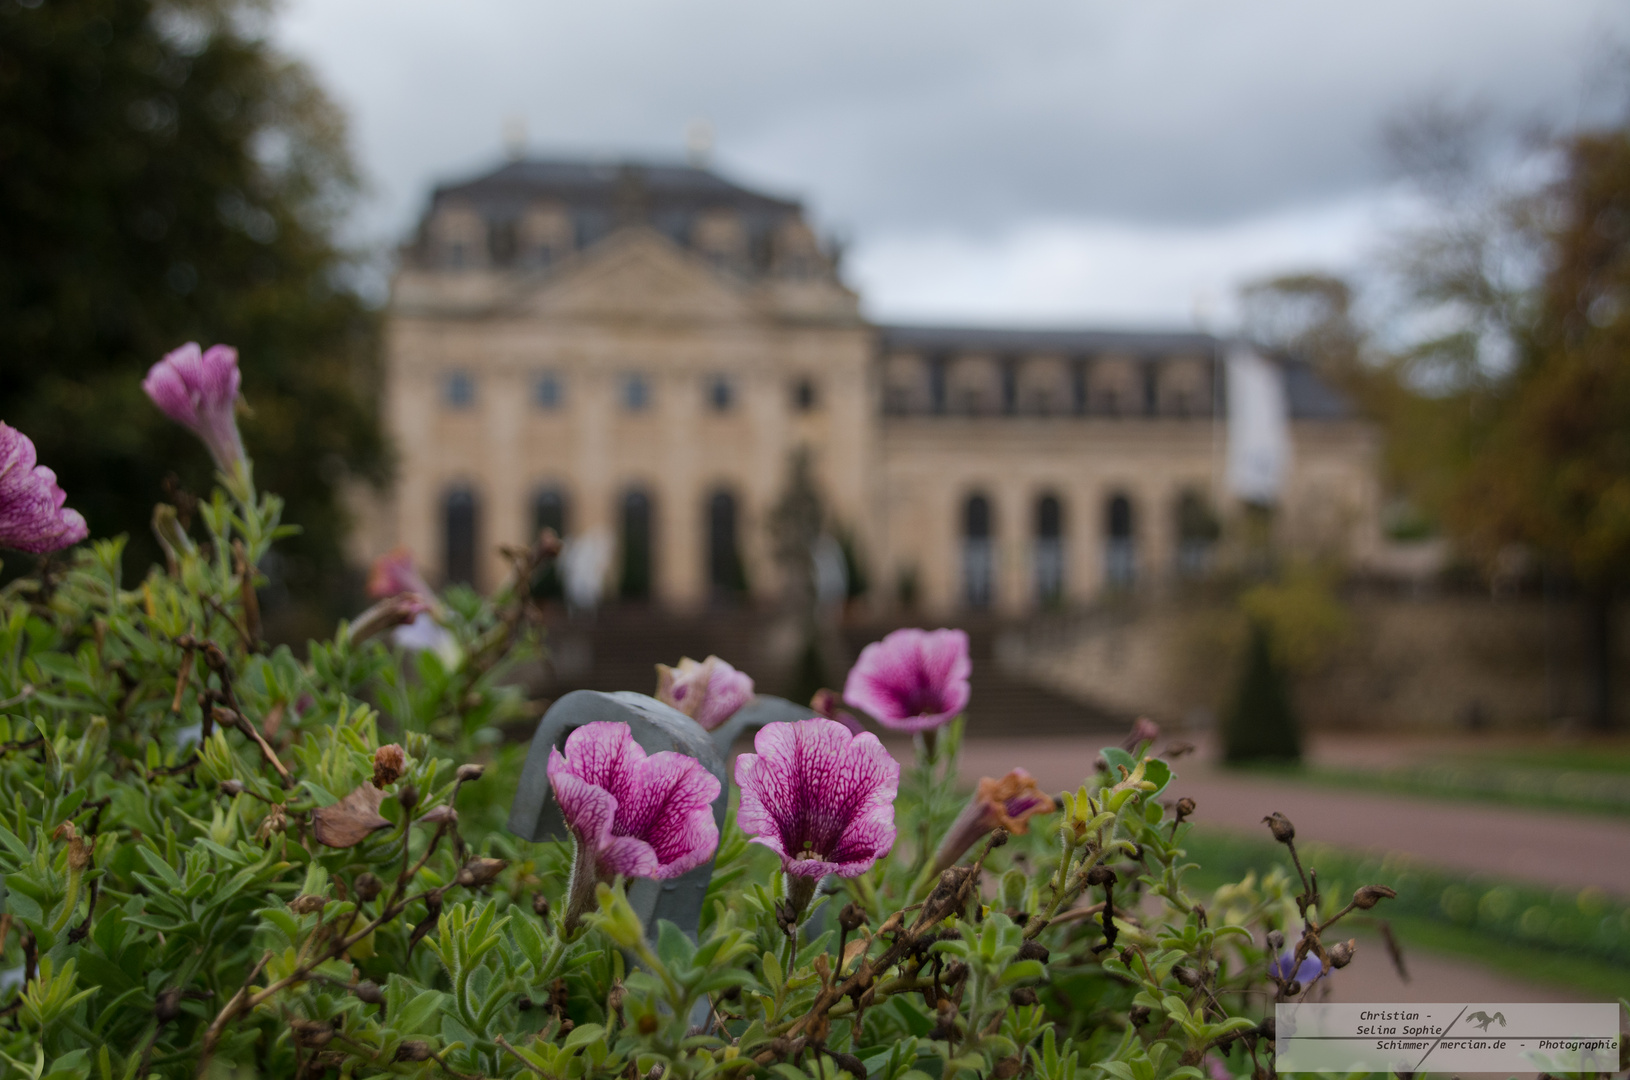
column 1284, row 967
column 199, row 390
column 709, row 692
column 819, row 796
column 32, row 517
column 634, row 814
column 912, row 680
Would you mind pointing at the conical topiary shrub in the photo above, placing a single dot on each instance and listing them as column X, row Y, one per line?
column 1261, row 724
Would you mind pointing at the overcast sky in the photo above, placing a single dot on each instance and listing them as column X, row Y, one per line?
column 1005, row 161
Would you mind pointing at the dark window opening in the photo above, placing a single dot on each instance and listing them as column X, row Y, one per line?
column 803, row 395
column 636, row 393
column 458, row 389
column 1120, row 551
column 727, row 577
column 1198, row 531
column 461, row 525
column 721, row 393
column 936, row 386
column 634, row 583
column 1010, row 387
column 547, row 391
column 1049, row 550
column 549, row 511
column 1151, row 389
column 978, row 561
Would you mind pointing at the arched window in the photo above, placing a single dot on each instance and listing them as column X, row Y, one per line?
column 460, row 535
column 978, row 558
column 549, row 511
column 1197, row 534
column 635, row 579
column 727, row 578
column 1049, row 550
column 1120, row 546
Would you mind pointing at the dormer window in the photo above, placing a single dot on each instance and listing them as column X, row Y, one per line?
column 636, row 393
column 458, row 390
column 721, row 393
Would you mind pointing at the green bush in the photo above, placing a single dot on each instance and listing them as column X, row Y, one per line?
column 1260, row 724
column 224, row 859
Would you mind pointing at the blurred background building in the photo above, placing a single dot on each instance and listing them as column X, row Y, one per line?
column 636, row 355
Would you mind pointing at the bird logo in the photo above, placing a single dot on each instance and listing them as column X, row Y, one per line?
column 1483, row 1019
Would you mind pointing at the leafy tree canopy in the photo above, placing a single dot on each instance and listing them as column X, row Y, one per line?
column 166, row 176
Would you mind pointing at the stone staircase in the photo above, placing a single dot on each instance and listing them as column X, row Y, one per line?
column 619, row 647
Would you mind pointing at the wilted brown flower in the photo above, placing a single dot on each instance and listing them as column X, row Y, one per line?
column 1008, row 803
column 389, row 763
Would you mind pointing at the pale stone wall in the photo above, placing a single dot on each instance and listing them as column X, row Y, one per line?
column 637, row 306
column 653, row 314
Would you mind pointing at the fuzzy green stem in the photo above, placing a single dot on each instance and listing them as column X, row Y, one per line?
column 580, row 891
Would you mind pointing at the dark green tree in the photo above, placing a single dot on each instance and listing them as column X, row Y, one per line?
column 1261, row 723
column 166, row 176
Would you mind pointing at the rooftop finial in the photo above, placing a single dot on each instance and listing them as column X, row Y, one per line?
column 515, row 137
column 699, row 142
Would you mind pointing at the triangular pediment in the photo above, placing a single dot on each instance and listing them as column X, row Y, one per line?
column 636, row 274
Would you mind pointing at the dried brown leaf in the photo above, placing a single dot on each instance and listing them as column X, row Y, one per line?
column 348, row 822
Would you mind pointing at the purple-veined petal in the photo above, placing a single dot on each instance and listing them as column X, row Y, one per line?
column 32, row 515
column 912, row 680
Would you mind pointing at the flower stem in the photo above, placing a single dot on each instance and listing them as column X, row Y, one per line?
column 580, row 891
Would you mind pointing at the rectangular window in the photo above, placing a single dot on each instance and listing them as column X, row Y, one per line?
column 721, row 393
column 636, row 393
column 458, row 389
column 548, row 390
column 804, row 396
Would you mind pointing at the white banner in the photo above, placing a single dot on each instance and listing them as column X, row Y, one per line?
column 1548, row 1038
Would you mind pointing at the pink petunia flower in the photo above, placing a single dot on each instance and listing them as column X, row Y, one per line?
column 912, row 680
column 199, row 389
column 632, row 813
column 709, row 692
column 819, row 796
column 393, row 573
column 32, row 517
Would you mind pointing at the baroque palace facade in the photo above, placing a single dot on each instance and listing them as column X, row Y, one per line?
column 636, row 352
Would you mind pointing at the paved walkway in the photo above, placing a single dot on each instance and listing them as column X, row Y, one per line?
column 1544, row 846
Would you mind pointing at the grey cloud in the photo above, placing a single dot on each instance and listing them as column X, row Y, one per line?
column 950, row 114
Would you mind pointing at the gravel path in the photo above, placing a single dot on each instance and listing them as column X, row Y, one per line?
column 1544, row 846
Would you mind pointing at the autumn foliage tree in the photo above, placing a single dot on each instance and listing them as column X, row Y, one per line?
column 1530, row 443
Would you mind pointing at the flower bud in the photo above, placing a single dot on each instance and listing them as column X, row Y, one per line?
column 1138, row 1015
column 1101, row 875
column 366, row 887
column 1187, row 976
column 1371, row 895
column 407, row 798
column 1276, row 941
column 232, row 788
column 413, row 1050
column 1278, row 824
column 1033, row 950
column 540, row 905
column 168, row 1006
column 389, row 762
column 479, row 873
column 851, row 918
column 370, row 992
column 470, row 771
column 306, row 903
column 1341, row 954
column 1293, row 988
column 1185, row 807
column 1023, row 995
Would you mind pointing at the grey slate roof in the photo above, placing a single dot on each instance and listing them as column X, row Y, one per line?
column 506, row 191
column 1309, row 396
